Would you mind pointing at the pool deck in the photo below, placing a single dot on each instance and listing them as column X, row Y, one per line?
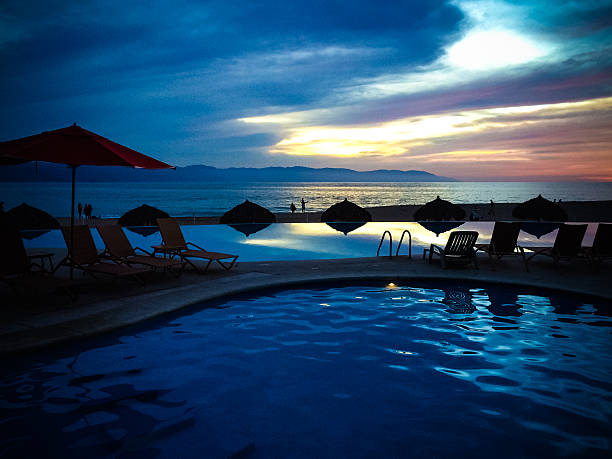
column 105, row 305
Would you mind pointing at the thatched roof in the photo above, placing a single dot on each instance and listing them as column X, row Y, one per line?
column 539, row 229
column 345, row 227
column 346, row 211
column 540, row 209
column 143, row 230
column 440, row 227
column 248, row 212
column 142, row 216
column 26, row 217
column 249, row 228
column 439, row 209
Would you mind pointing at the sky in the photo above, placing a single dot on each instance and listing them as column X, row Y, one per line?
column 475, row 90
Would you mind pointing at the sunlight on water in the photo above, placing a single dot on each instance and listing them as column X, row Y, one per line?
column 195, row 199
column 309, row 241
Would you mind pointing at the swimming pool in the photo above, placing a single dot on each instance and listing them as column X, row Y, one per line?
column 366, row 370
column 311, row 241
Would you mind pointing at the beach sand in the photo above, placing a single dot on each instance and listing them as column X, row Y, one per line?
column 578, row 211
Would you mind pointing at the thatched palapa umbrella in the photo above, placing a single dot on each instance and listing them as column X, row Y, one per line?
column 248, row 218
column 345, row 227
column 540, row 209
column 249, row 228
column 26, row 217
column 439, row 227
column 439, row 210
column 144, row 215
column 346, row 211
column 539, row 229
column 248, row 212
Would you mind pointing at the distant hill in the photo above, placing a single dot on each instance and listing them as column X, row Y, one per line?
column 50, row 172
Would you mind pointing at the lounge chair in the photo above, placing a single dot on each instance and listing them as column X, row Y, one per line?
column 602, row 245
column 174, row 244
column 459, row 249
column 83, row 255
column 503, row 243
column 119, row 248
column 16, row 268
column 567, row 244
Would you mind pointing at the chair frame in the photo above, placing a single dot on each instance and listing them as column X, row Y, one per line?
column 16, row 270
column 83, row 255
column 504, row 243
column 174, row 244
column 567, row 245
column 459, row 249
column 120, row 250
column 598, row 252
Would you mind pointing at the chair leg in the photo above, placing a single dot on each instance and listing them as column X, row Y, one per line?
column 227, row 267
column 524, row 259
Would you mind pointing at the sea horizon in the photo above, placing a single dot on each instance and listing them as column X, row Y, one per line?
column 112, row 199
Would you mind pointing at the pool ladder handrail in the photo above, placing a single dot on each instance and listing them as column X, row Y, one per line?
column 390, row 243
column 382, row 239
column 409, row 244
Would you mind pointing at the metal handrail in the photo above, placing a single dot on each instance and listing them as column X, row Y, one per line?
column 390, row 243
column 409, row 244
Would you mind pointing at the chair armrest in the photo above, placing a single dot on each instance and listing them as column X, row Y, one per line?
column 436, row 249
column 196, row 246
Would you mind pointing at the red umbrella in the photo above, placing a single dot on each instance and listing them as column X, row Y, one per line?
column 75, row 147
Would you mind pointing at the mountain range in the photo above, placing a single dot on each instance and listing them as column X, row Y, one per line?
column 50, row 172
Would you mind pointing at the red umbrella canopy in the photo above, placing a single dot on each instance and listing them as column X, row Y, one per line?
column 76, row 146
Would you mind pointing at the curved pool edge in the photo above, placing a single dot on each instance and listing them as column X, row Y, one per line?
column 248, row 277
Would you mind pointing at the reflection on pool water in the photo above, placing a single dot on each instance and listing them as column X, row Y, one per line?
column 307, row 241
column 427, row 370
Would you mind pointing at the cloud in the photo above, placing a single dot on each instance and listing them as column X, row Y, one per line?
column 224, row 81
column 488, row 138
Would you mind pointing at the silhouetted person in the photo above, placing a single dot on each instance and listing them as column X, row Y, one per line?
column 292, row 207
column 304, row 205
column 80, row 210
column 492, row 209
column 87, row 211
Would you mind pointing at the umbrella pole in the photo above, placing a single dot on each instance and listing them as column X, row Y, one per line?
column 72, row 222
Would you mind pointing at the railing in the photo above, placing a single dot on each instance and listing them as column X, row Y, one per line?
column 409, row 244
column 390, row 243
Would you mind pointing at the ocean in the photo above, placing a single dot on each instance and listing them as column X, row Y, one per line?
column 208, row 199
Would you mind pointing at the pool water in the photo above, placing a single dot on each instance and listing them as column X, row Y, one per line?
column 314, row 241
column 370, row 370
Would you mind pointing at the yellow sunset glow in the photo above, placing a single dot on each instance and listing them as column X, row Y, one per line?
column 399, row 137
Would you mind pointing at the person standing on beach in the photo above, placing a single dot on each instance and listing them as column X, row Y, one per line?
column 80, row 210
column 292, row 207
column 492, row 210
column 304, row 205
